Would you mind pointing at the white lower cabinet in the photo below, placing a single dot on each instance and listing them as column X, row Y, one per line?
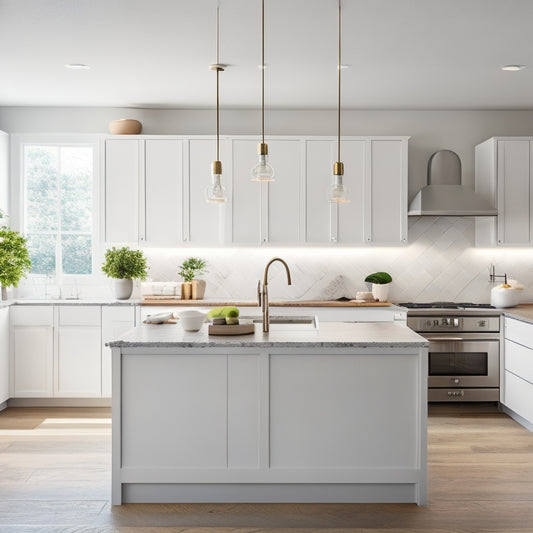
column 32, row 351
column 4, row 354
column 58, row 351
column 115, row 322
column 518, row 386
column 78, row 358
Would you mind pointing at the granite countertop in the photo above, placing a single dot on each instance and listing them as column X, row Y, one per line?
column 329, row 335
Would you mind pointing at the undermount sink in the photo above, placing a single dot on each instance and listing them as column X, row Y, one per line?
column 292, row 323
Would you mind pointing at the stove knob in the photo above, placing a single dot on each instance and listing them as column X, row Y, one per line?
column 445, row 321
column 457, row 381
column 455, row 322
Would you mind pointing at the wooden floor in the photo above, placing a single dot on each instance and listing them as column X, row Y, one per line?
column 55, row 478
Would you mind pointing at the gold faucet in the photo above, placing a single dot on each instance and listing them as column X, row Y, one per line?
column 262, row 294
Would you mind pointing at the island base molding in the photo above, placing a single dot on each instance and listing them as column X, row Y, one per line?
column 270, row 493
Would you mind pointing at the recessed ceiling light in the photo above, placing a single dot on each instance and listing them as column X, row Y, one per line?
column 514, row 68
column 77, row 66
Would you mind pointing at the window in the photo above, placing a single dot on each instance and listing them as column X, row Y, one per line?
column 58, row 208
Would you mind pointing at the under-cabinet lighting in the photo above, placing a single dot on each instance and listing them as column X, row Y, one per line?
column 514, row 68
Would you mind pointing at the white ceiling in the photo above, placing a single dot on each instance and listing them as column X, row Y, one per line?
column 404, row 54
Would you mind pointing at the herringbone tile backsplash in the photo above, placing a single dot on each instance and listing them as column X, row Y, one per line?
column 441, row 263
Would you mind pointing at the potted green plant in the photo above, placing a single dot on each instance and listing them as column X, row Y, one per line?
column 380, row 285
column 189, row 270
column 124, row 265
column 15, row 260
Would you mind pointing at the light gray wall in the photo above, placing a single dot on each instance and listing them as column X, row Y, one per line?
column 430, row 131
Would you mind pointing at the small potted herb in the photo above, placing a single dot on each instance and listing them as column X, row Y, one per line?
column 380, row 285
column 189, row 270
column 124, row 265
column 15, row 260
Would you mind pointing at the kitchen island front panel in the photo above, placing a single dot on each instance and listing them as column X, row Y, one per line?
column 291, row 417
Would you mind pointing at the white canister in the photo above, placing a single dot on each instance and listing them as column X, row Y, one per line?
column 505, row 296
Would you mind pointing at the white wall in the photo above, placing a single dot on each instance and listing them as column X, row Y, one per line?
column 440, row 263
column 430, row 131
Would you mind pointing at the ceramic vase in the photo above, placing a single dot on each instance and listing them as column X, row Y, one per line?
column 198, row 289
column 380, row 291
column 123, row 288
column 186, row 290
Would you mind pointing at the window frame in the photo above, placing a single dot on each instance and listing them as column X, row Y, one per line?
column 18, row 196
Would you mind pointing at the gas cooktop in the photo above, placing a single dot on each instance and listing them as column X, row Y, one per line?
column 445, row 305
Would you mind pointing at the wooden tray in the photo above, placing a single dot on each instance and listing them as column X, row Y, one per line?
column 235, row 329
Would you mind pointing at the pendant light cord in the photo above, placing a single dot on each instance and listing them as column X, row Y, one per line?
column 218, row 71
column 263, row 71
column 339, row 92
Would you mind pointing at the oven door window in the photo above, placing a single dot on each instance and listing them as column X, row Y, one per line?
column 458, row 364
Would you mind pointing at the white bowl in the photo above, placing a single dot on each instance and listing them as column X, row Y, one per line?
column 502, row 297
column 191, row 320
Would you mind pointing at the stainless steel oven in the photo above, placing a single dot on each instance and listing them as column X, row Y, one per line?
column 464, row 356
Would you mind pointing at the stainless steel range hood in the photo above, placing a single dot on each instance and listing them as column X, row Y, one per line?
column 444, row 195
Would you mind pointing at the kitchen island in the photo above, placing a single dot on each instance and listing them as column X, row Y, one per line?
column 330, row 415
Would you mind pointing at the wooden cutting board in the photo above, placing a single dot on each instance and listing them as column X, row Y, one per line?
column 234, row 329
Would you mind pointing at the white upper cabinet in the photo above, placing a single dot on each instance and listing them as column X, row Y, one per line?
column 162, row 215
column 375, row 172
column 155, row 192
column 504, row 177
column 123, row 164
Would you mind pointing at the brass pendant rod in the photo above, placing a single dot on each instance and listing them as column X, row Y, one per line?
column 217, row 71
column 263, row 71
column 339, row 92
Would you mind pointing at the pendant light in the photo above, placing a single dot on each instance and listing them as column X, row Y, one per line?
column 216, row 193
column 262, row 171
column 338, row 193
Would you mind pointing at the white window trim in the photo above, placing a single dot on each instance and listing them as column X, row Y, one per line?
column 17, row 188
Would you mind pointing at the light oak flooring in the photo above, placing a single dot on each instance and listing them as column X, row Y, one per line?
column 55, row 478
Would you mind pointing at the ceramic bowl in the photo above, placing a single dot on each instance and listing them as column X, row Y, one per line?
column 191, row 320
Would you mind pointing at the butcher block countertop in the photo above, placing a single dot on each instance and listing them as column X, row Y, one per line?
column 281, row 303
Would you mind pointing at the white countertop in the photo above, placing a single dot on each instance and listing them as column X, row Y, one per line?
column 329, row 335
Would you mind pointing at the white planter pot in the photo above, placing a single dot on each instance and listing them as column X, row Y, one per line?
column 123, row 288
column 380, row 291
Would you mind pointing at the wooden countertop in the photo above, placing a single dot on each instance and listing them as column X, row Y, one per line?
column 281, row 303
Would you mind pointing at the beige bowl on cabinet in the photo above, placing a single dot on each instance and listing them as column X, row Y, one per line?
column 125, row 126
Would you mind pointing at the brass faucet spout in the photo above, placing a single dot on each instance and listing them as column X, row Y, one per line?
column 263, row 295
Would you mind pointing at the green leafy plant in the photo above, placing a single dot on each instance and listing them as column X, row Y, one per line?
column 379, row 278
column 15, row 260
column 192, row 267
column 124, row 263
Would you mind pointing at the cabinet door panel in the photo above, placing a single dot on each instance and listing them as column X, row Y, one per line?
column 32, row 361
column 163, row 192
column 205, row 220
column 246, row 194
column 319, row 171
column 122, row 178
column 513, row 192
column 284, row 194
column 388, row 191
column 351, row 216
column 78, row 368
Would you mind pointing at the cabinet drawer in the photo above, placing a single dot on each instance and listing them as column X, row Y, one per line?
column 70, row 315
column 32, row 315
column 116, row 313
column 518, row 331
column 519, row 396
column 519, row 360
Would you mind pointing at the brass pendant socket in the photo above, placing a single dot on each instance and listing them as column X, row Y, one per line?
column 217, row 67
column 338, row 168
column 217, row 167
column 262, row 149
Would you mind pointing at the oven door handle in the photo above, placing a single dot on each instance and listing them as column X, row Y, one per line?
column 445, row 339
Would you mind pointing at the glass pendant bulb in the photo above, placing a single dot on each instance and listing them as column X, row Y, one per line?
column 216, row 193
column 262, row 171
column 338, row 193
